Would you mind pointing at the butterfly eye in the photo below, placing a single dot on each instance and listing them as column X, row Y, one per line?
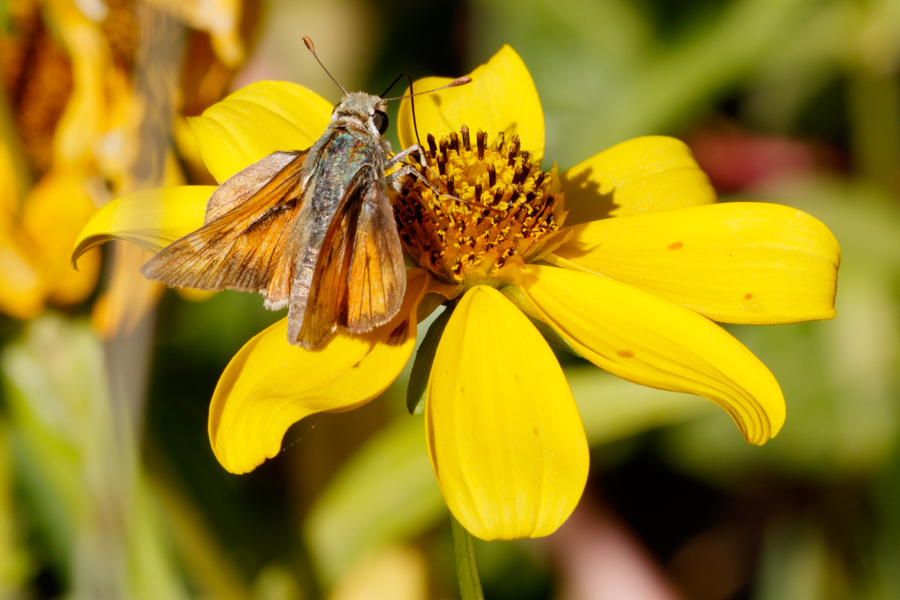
column 380, row 120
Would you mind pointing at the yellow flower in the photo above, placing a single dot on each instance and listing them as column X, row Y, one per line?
column 71, row 112
column 635, row 294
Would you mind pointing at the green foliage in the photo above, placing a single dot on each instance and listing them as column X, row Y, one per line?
column 384, row 494
column 75, row 458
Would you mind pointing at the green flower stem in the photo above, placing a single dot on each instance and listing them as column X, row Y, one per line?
column 466, row 569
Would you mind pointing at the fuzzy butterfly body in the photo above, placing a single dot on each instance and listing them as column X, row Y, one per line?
column 312, row 230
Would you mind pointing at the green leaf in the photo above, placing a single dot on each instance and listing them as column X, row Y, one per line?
column 421, row 369
column 56, row 396
column 15, row 561
column 613, row 409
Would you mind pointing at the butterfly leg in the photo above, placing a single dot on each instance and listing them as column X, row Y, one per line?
column 403, row 154
column 394, row 178
column 420, row 155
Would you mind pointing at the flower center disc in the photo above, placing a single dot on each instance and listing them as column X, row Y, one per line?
column 496, row 212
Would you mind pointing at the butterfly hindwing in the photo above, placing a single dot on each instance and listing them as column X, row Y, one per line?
column 248, row 181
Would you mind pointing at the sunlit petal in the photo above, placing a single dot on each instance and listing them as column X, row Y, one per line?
column 269, row 384
column 651, row 341
column 152, row 219
column 504, row 435
column 645, row 174
column 52, row 215
column 256, row 121
column 737, row 262
column 501, row 97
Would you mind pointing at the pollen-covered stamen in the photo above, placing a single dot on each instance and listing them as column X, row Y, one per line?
column 505, row 213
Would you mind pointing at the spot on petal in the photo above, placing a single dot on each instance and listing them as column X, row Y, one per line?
column 675, row 245
column 625, row 353
column 748, row 296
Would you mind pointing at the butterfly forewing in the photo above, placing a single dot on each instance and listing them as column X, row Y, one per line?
column 318, row 296
column 377, row 273
column 358, row 277
column 244, row 243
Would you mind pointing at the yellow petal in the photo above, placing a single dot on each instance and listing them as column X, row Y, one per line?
column 739, row 262
column 193, row 295
column 81, row 123
column 152, row 219
column 648, row 340
column 504, row 436
column 256, row 121
column 269, row 385
column 52, row 215
column 645, row 174
column 22, row 288
column 501, row 97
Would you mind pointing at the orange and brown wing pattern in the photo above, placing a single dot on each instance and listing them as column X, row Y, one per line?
column 318, row 297
column 377, row 277
column 244, row 244
column 248, row 181
column 356, row 278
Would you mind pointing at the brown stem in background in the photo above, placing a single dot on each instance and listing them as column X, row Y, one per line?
column 131, row 297
column 104, row 562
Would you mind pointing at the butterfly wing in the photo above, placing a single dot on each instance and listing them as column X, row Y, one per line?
column 244, row 243
column 377, row 278
column 356, row 279
column 321, row 277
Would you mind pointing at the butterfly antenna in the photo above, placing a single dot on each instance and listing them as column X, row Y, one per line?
column 412, row 106
column 456, row 82
column 412, row 103
column 312, row 49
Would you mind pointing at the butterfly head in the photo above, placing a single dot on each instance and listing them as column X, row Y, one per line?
column 362, row 111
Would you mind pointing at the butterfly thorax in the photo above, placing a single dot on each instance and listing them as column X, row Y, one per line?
column 356, row 112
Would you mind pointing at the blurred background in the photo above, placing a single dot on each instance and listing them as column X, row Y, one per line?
column 108, row 486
